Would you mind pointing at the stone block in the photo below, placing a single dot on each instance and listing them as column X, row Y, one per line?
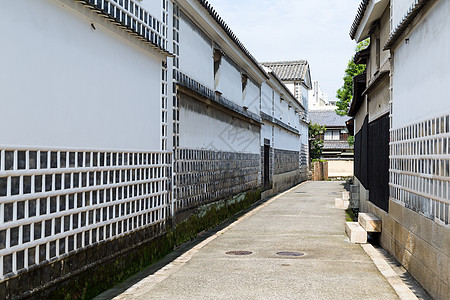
column 387, row 224
column 345, row 195
column 355, row 233
column 369, row 222
column 354, row 188
column 340, row 203
column 395, row 211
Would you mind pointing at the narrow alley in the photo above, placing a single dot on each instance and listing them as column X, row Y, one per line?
column 302, row 220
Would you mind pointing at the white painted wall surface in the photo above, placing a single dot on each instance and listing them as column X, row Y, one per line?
column 290, row 86
column 196, row 53
column 421, row 69
column 65, row 84
column 399, row 10
column 280, row 108
column 209, row 128
column 230, row 82
column 304, row 134
column 286, row 140
column 252, row 97
column 379, row 101
column 266, row 132
column 360, row 116
column 340, row 168
column 154, row 7
column 304, row 96
column 266, row 98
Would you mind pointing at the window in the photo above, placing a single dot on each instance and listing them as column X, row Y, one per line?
column 332, row 135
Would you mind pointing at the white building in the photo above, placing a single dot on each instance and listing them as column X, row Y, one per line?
column 317, row 99
column 121, row 117
column 403, row 119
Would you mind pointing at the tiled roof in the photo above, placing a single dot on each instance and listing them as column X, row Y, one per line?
column 327, row 117
column 327, row 145
column 289, row 70
column 358, row 18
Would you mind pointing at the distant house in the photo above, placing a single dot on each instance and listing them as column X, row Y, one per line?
column 318, row 99
column 336, row 144
column 295, row 75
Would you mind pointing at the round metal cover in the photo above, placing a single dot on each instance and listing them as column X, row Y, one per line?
column 287, row 253
column 239, row 253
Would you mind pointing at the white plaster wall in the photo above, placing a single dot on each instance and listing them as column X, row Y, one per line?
column 304, row 96
column 266, row 132
column 291, row 116
column 252, row 97
column 286, row 140
column 280, row 108
column 421, row 69
column 304, row 138
column 379, row 101
column 384, row 37
column 64, row 84
column 360, row 116
column 230, row 82
column 154, row 7
column 266, row 98
column 290, row 86
column 204, row 127
column 399, row 10
column 196, row 53
column 340, row 168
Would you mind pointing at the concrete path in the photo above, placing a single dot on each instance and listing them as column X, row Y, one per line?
column 303, row 219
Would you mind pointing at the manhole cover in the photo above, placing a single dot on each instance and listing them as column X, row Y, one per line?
column 239, row 253
column 290, row 253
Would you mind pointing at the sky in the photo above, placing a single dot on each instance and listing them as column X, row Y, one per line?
column 278, row 30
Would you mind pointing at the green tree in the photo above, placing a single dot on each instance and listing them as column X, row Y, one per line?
column 316, row 144
column 351, row 140
column 345, row 93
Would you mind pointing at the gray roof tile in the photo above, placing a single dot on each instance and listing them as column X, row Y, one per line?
column 289, row 70
column 327, row 118
column 328, row 145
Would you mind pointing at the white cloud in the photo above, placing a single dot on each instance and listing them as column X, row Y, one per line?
column 296, row 29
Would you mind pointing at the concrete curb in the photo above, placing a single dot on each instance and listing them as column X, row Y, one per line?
column 402, row 290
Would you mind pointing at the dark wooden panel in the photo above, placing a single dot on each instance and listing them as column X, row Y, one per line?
column 378, row 162
column 361, row 155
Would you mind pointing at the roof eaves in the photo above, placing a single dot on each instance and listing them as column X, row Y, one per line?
column 358, row 18
column 361, row 55
column 413, row 11
column 375, row 81
column 230, row 34
column 286, row 69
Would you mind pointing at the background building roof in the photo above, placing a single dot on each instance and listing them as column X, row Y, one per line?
column 289, row 70
column 328, row 118
column 331, row 145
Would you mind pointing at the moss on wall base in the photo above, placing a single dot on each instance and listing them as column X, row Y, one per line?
column 100, row 277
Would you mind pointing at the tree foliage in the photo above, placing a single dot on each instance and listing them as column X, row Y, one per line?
column 345, row 93
column 316, row 144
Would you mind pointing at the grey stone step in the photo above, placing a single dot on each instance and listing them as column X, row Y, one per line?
column 355, row 233
column 369, row 222
column 340, row 203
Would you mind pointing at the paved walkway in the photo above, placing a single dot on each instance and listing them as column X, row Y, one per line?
column 303, row 219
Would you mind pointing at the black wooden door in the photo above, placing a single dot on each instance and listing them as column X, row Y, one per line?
column 378, row 162
column 266, row 167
